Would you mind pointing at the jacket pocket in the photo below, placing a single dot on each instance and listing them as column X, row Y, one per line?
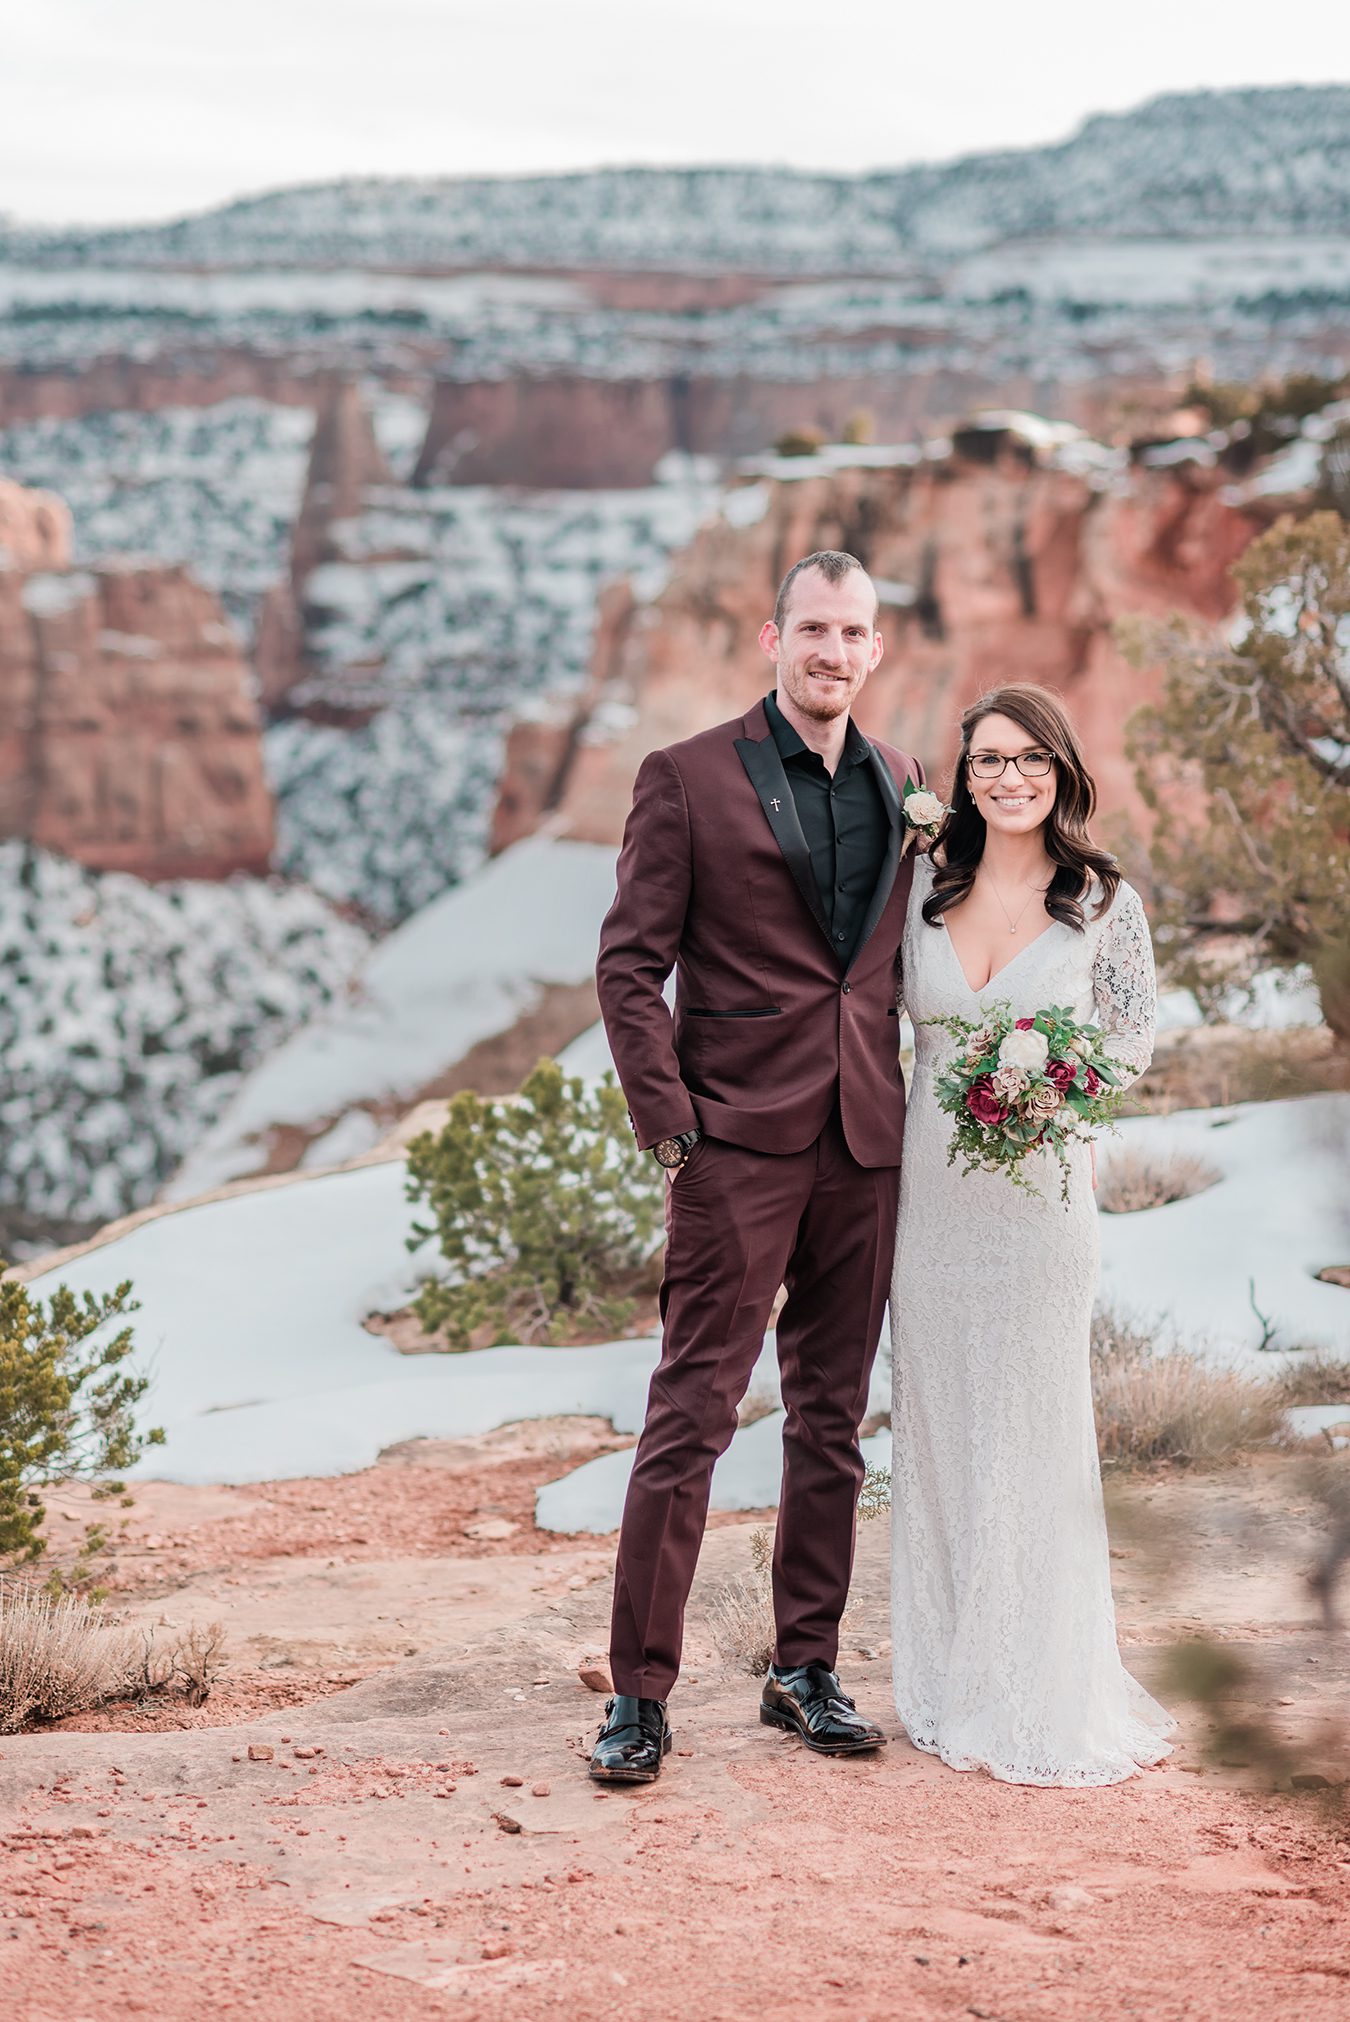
column 766, row 1011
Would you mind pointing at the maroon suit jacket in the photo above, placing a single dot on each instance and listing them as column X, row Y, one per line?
column 715, row 882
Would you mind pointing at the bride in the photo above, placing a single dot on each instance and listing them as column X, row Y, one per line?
column 1004, row 1628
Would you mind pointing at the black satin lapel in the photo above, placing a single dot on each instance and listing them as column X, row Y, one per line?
column 763, row 763
column 890, row 863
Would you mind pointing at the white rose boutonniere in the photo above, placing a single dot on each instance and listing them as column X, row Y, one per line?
column 924, row 813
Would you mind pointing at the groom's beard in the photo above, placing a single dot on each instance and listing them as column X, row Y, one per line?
column 820, row 706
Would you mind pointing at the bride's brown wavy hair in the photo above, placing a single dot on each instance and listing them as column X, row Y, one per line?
column 959, row 843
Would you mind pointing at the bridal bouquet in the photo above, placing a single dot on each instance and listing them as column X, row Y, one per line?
column 1017, row 1084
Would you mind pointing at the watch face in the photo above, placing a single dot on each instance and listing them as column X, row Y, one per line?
column 668, row 1151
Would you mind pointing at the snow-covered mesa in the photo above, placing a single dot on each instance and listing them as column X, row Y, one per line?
column 130, row 1011
column 252, row 1309
column 462, row 970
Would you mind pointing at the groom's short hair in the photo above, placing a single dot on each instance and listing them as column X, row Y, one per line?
column 833, row 564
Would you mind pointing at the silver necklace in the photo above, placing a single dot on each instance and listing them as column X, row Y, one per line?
column 1037, row 891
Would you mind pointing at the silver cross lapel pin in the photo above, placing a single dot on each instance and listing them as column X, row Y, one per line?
column 775, row 805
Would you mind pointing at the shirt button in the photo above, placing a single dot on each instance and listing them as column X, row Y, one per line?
column 838, row 937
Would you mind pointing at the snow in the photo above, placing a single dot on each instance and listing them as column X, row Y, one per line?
column 1295, row 469
column 488, row 615
column 463, row 969
column 748, row 1476
column 214, row 487
column 1277, row 1216
column 1195, row 166
column 52, row 596
column 1275, row 1000
column 251, row 1312
column 252, row 1308
column 130, row 1011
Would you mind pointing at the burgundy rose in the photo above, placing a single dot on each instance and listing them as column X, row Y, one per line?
column 983, row 1103
column 1092, row 1081
column 1062, row 1073
column 1025, row 1024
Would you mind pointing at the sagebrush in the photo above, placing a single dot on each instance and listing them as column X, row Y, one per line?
column 1154, row 1406
column 1132, row 1178
column 57, row 1657
column 545, row 1212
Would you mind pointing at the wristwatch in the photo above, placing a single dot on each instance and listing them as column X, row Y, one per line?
column 673, row 1151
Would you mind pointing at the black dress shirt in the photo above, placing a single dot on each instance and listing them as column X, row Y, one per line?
column 844, row 821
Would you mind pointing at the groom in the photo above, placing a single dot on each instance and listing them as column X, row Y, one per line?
column 763, row 862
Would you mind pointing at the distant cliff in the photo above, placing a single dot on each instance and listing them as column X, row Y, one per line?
column 576, row 431
column 129, row 737
column 989, row 571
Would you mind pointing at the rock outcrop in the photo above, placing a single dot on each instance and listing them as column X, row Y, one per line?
column 129, row 736
column 115, row 383
column 571, row 431
column 988, row 572
column 344, row 459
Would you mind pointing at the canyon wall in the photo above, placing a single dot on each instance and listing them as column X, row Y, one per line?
column 988, row 572
column 143, row 385
column 129, row 736
column 569, row 430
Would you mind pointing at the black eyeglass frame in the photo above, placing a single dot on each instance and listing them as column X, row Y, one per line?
column 1014, row 758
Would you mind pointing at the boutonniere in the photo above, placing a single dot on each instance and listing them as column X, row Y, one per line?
column 923, row 812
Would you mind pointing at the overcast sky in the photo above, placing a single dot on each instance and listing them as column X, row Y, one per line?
column 150, row 108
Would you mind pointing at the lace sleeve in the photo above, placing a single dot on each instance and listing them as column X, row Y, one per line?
column 1124, row 985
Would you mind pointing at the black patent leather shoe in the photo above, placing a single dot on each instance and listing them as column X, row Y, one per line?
column 809, row 1701
column 635, row 1736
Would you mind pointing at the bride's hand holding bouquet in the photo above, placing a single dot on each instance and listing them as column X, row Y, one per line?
column 1018, row 1085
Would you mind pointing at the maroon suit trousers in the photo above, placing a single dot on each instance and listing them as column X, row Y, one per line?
column 741, row 1223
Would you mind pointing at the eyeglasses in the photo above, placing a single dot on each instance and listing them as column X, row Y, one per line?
column 1031, row 764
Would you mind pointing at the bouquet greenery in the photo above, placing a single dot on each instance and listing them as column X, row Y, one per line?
column 1015, row 1085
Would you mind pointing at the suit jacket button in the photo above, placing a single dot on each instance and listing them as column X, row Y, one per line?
column 846, row 987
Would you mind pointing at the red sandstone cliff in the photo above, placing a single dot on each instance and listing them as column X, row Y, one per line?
column 129, row 737
column 989, row 572
column 569, row 431
column 344, row 459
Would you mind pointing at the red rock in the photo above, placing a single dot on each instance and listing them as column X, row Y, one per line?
column 539, row 1790
column 35, row 531
column 1002, row 573
column 260, row 1751
column 574, row 430
column 514, row 1782
column 596, row 1677
column 129, row 735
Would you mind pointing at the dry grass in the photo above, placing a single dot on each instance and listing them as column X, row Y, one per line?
column 740, row 1611
column 1312, row 1377
column 189, row 1664
column 57, row 1657
column 1154, row 1407
column 1131, row 1179
column 1211, row 1066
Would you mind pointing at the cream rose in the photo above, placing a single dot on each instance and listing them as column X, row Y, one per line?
column 1028, row 1050
column 922, row 809
column 1044, row 1101
column 1007, row 1082
column 1081, row 1046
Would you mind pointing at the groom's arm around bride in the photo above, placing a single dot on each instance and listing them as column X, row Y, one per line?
column 764, row 863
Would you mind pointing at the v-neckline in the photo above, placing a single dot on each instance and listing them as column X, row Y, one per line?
column 961, row 967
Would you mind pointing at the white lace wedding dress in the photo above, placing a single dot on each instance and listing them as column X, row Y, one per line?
column 1003, row 1628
